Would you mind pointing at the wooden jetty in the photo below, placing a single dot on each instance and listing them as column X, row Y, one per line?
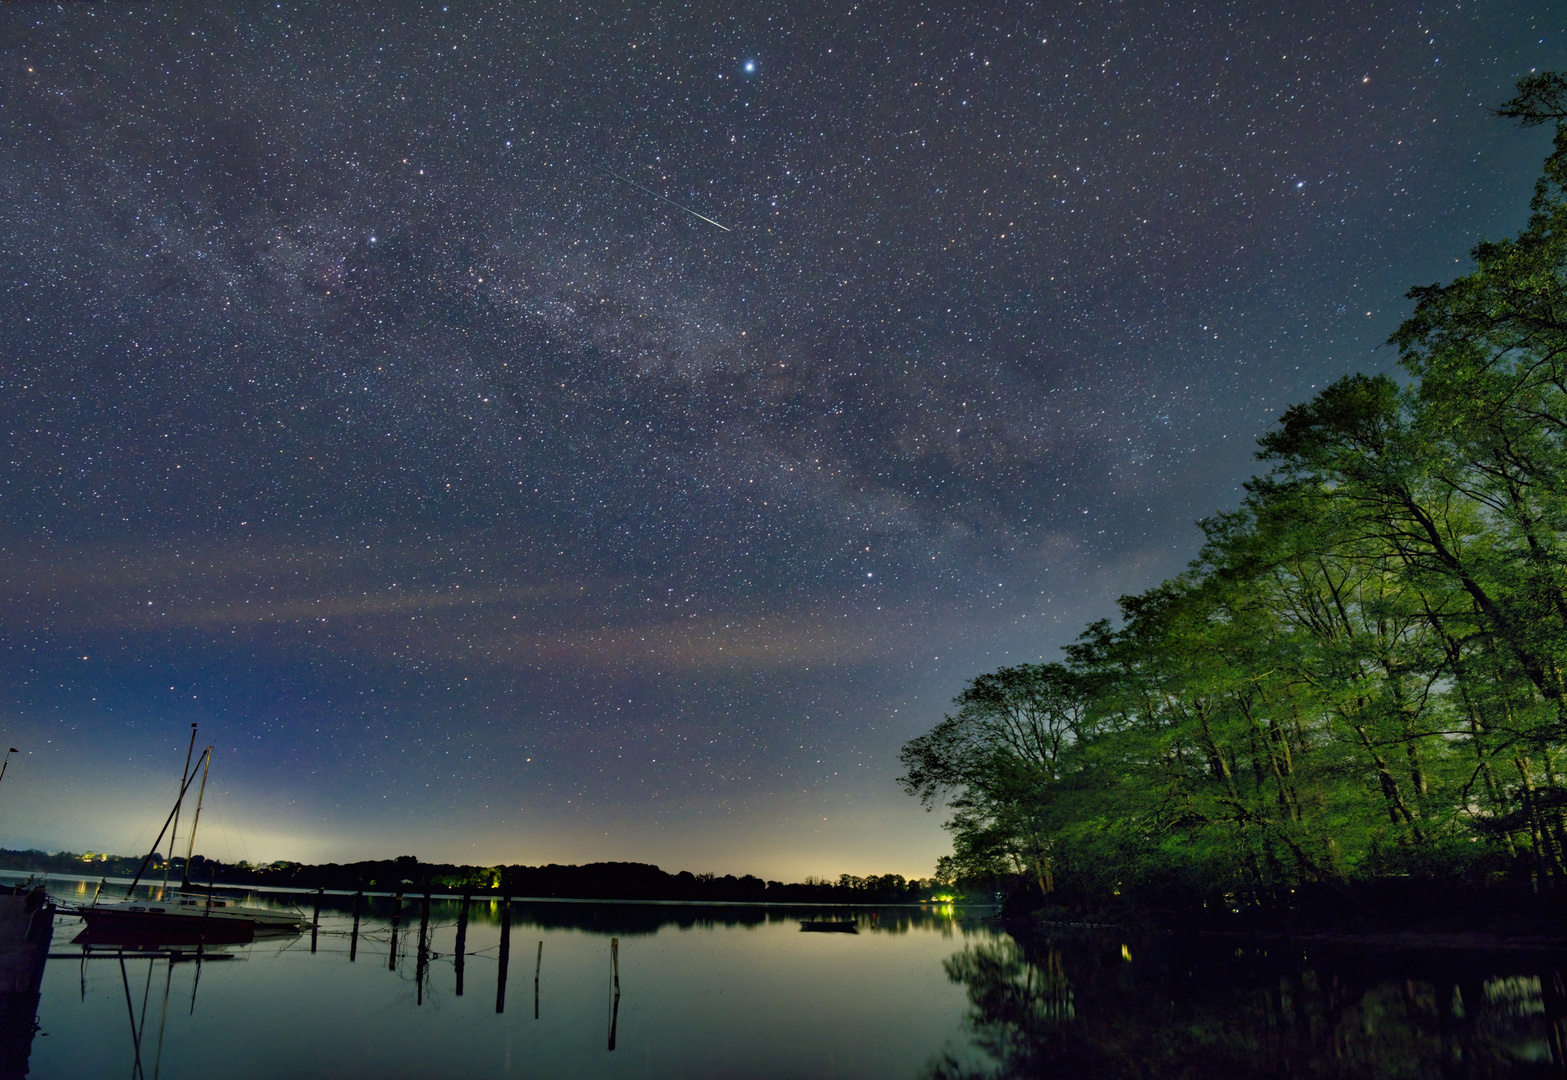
column 26, row 928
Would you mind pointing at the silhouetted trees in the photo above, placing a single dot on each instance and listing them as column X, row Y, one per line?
column 593, row 881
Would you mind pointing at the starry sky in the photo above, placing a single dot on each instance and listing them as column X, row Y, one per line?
column 373, row 396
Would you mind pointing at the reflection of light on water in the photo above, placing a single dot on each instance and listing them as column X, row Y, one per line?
column 362, row 1016
column 1519, row 994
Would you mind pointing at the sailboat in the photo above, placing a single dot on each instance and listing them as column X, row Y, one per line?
column 186, row 913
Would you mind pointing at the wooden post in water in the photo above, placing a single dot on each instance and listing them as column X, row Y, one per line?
column 315, row 917
column 353, row 938
column 500, row 985
column 422, row 964
column 614, row 1011
column 397, row 917
column 538, row 962
column 462, row 938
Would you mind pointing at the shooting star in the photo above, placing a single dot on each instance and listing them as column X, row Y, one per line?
column 656, row 195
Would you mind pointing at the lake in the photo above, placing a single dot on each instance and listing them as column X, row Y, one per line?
column 737, row 991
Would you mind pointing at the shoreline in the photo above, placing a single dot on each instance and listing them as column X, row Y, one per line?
column 293, row 891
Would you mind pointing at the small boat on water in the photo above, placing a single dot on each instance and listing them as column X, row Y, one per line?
column 170, row 936
column 183, row 913
column 829, row 926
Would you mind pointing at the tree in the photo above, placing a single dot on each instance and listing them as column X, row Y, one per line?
column 1365, row 669
column 997, row 760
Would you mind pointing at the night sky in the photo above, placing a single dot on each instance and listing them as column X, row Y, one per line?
column 482, row 506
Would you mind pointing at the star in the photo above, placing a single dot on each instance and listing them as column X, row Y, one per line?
column 540, row 438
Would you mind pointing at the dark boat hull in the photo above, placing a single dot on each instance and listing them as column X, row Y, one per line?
column 149, row 929
column 829, row 927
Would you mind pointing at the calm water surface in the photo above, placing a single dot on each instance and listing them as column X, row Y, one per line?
column 742, row 992
column 704, row 992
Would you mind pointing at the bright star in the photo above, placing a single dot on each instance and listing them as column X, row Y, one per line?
column 750, row 66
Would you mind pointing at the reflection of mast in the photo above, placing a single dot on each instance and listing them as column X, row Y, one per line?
column 146, row 993
column 201, row 944
column 130, row 1013
column 163, row 1018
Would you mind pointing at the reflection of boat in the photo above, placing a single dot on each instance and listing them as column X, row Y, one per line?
column 169, row 936
column 830, row 926
column 200, row 916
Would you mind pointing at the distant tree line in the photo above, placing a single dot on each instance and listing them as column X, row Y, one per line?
column 1363, row 673
column 594, row 881
column 69, row 862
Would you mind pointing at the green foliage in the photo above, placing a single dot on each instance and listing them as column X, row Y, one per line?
column 1365, row 670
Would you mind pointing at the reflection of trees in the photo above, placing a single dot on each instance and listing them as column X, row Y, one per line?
column 627, row 919
column 1019, row 1008
column 1202, row 1010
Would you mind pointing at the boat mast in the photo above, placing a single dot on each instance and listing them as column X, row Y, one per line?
column 174, row 837
column 200, row 795
column 142, row 869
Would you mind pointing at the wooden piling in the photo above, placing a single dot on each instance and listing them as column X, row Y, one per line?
column 397, row 918
column 462, row 938
column 315, row 918
column 500, row 984
column 614, row 1009
column 422, row 964
column 538, row 962
column 353, row 938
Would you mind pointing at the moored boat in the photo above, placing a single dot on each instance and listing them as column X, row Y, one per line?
column 187, row 913
column 183, row 912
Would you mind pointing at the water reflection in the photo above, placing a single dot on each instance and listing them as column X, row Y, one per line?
column 1199, row 1008
column 401, row 987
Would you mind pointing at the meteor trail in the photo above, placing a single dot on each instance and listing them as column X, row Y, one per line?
column 656, row 195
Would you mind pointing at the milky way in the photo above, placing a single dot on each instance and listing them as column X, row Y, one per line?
column 481, row 506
